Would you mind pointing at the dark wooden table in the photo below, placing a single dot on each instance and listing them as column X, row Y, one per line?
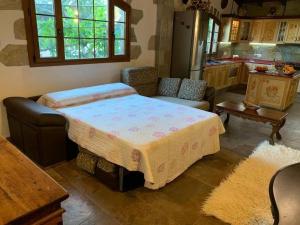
column 275, row 118
column 27, row 194
column 285, row 196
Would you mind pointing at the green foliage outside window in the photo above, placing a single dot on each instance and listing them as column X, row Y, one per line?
column 85, row 29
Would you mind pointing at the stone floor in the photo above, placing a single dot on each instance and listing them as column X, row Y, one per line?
column 179, row 203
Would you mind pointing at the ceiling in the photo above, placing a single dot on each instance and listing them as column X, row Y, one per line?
column 259, row 2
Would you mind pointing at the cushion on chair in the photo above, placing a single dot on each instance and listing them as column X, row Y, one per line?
column 192, row 89
column 204, row 105
column 169, row 87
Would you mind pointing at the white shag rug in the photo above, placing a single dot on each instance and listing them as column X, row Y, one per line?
column 243, row 198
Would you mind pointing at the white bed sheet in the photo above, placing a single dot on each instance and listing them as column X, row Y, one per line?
column 158, row 138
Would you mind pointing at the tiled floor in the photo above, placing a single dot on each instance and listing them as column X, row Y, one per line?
column 179, row 203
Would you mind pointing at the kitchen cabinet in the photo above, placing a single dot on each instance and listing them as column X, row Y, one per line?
column 292, row 33
column 230, row 30
column 222, row 76
column 269, row 31
column 282, row 28
column 277, row 92
column 245, row 30
column 255, row 35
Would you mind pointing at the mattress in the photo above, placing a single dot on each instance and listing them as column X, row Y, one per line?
column 157, row 138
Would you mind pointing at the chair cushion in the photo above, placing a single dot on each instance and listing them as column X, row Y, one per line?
column 204, row 105
column 192, row 89
column 169, row 87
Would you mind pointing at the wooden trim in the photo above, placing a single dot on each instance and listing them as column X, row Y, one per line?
column 261, row 17
column 32, row 37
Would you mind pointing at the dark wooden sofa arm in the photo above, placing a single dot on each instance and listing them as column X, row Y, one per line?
column 36, row 130
column 210, row 96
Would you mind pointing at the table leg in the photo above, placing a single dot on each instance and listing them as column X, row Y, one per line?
column 275, row 130
column 278, row 135
column 227, row 119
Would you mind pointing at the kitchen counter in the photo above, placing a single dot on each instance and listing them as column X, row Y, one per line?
column 274, row 90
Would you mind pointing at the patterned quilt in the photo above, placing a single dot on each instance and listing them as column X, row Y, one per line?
column 157, row 138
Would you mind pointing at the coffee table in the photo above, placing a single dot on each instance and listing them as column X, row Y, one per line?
column 275, row 118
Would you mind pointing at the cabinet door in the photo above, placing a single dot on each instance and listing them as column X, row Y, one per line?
column 245, row 31
column 256, row 31
column 292, row 31
column 209, row 76
column 272, row 93
column 281, row 31
column 234, row 34
column 269, row 31
column 298, row 34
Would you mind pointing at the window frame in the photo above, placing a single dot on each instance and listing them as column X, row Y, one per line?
column 215, row 21
column 32, row 36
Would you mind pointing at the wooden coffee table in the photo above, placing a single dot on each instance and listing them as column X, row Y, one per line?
column 275, row 118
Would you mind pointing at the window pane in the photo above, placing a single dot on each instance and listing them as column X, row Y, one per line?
column 101, row 9
column 70, row 27
column 85, row 9
column 210, row 24
column 69, row 8
column 208, row 47
column 101, row 29
column 214, row 47
column 119, row 30
column 44, row 7
column 216, row 36
column 120, row 15
column 86, row 48
column 216, row 27
column 86, row 29
column 48, row 47
column 71, row 48
column 119, row 47
column 209, row 36
column 101, row 48
column 46, row 26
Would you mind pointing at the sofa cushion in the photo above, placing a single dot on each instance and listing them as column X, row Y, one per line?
column 169, row 87
column 204, row 105
column 192, row 89
column 139, row 75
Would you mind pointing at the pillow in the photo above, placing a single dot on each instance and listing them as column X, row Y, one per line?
column 192, row 89
column 169, row 87
column 85, row 95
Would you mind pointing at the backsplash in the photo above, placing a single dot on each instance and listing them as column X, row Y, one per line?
column 286, row 53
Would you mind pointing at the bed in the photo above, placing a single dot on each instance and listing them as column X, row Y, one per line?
column 157, row 138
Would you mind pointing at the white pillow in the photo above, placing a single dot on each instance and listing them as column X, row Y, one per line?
column 85, row 95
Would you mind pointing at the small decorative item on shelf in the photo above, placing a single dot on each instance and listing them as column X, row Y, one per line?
column 250, row 106
column 261, row 69
column 288, row 70
column 199, row 5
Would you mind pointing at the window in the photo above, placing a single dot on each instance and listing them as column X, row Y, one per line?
column 61, row 32
column 212, row 37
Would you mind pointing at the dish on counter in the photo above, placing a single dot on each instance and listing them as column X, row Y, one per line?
column 261, row 69
column 288, row 70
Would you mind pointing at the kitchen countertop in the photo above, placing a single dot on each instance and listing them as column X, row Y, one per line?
column 277, row 73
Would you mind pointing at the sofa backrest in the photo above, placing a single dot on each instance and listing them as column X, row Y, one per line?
column 143, row 79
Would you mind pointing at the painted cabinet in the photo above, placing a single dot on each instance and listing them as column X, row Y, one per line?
column 271, row 91
column 269, row 31
column 230, row 30
column 292, row 31
column 255, row 35
column 222, row 76
column 245, row 30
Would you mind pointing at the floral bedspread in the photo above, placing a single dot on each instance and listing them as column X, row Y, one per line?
column 158, row 138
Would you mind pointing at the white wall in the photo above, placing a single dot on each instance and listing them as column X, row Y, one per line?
column 27, row 81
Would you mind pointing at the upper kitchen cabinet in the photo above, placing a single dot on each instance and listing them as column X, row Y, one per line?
column 230, row 30
column 293, row 32
column 255, row 35
column 245, row 30
column 282, row 28
column 269, row 31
